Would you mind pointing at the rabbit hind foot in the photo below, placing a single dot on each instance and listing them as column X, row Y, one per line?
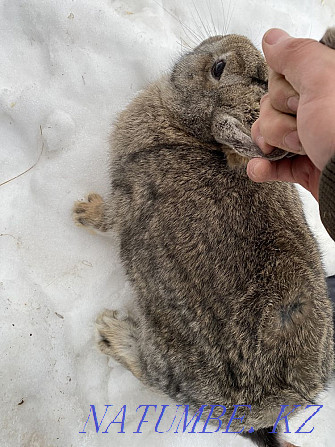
column 118, row 338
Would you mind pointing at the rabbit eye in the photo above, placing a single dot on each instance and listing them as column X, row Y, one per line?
column 218, row 68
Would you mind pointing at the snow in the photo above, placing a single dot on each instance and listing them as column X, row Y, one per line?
column 67, row 69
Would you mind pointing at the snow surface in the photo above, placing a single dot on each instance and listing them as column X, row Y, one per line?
column 67, row 68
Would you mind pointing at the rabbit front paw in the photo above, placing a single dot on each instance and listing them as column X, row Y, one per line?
column 91, row 213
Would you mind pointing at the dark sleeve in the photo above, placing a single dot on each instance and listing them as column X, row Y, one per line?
column 331, row 290
column 327, row 197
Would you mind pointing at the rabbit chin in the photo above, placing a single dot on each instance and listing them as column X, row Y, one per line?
column 235, row 159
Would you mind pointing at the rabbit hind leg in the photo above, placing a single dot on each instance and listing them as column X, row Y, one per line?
column 265, row 438
column 118, row 338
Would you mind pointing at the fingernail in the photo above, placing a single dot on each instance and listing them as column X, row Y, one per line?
column 259, row 140
column 263, row 145
column 292, row 141
column 275, row 35
column 292, row 103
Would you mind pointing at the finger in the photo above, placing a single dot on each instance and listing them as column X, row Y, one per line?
column 259, row 140
column 260, row 170
column 283, row 96
column 297, row 170
column 279, row 129
column 291, row 57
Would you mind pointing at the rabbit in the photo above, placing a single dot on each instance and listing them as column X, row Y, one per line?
column 231, row 301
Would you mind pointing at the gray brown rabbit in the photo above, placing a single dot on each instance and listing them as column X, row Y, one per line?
column 231, row 301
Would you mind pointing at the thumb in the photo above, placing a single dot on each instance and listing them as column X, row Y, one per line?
column 297, row 59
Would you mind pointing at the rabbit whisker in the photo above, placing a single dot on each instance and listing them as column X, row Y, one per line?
column 196, row 39
column 231, row 9
column 212, row 18
column 207, row 31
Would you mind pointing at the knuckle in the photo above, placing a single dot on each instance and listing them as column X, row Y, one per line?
column 297, row 45
column 303, row 55
column 279, row 95
column 280, row 90
column 265, row 99
column 272, row 128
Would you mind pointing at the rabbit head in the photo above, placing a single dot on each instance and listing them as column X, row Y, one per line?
column 216, row 93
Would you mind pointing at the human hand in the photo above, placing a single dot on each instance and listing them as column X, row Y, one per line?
column 298, row 113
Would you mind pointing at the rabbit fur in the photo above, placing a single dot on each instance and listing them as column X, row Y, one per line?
column 231, row 300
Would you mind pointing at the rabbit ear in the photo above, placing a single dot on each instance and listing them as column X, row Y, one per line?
column 231, row 132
